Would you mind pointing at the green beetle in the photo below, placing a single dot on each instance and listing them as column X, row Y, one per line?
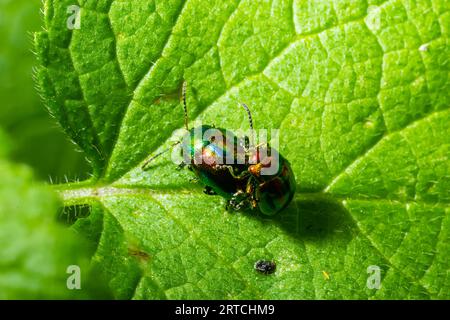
column 270, row 192
column 212, row 154
column 230, row 167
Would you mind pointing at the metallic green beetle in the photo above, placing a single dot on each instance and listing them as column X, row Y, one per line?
column 270, row 192
column 229, row 166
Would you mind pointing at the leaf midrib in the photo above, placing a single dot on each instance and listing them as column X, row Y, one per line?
column 80, row 193
column 87, row 195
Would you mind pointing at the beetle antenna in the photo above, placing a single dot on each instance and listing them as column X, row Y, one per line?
column 183, row 94
column 145, row 165
column 250, row 120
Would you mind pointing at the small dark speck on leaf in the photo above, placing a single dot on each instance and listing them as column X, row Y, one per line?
column 265, row 267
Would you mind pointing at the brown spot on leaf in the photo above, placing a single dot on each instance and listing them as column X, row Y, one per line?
column 139, row 254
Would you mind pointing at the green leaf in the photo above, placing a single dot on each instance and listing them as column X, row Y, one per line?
column 360, row 93
column 37, row 140
column 36, row 251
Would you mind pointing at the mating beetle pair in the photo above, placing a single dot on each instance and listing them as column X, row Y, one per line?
column 244, row 182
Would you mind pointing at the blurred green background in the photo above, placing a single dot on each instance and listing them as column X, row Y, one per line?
column 37, row 139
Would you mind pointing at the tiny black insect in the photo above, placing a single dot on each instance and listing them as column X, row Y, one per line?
column 265, row 267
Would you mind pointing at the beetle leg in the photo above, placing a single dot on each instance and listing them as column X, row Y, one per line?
column 234, row 205
column 261, row 185
column 146, row 163
column 209, row 191
column 251, row 191
column 181, row 165
column 238, row 201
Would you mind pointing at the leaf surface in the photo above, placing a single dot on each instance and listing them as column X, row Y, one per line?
column 38, row 142
column 37, row 253
column 360, row 93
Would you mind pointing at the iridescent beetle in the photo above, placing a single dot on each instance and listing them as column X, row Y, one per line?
column 270, row 192
column 230, row 167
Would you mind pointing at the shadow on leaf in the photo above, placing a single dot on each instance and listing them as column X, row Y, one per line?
column 315, row 220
